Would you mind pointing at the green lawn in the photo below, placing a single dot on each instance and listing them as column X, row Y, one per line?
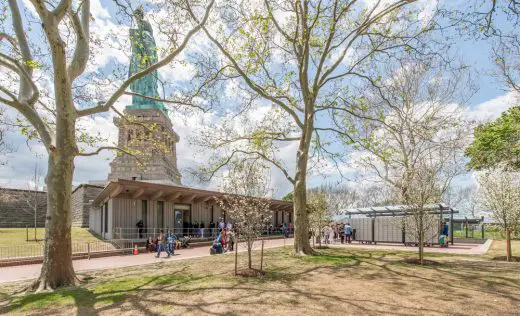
column 13, row 241
column 338, row 281
column 8, row 236
column 498, row 248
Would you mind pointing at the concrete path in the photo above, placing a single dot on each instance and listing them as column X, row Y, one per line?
column 462, row 249
column 27, row 272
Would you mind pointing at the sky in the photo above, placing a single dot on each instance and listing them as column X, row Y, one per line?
column 488, row 102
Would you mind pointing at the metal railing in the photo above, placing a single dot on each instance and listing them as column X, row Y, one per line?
column 194, row 233
column 33, row 253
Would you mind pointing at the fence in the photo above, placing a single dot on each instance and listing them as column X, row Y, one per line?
column 29, row 254
column 135, row 233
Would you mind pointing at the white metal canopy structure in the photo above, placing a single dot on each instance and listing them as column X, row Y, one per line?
column 374, row 224
column 394, row 210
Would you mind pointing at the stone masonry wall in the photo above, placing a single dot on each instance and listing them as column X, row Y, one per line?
column 15, row 211
column 81, row 206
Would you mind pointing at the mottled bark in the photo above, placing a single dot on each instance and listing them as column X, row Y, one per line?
column 302, row 245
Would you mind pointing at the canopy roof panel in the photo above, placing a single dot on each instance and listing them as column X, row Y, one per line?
column 393, row 210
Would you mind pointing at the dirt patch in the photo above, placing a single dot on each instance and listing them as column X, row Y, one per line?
column 425, row 262
column 250, row 273
column 504, row 258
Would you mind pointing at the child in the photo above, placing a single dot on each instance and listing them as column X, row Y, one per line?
column 171, row 239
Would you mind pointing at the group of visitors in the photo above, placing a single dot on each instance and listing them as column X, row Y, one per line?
column 225, row 240
column 334, row 232
column 164, row 242
column 285, row 228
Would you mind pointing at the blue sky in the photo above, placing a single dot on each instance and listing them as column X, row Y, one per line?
column 491, row 99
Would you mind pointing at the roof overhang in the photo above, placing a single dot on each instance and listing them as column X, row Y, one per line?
column 141, row 190
column 399, row 210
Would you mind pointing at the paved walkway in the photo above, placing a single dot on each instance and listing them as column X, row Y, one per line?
column 462, row 249
column 27, row 272
column 18, row 273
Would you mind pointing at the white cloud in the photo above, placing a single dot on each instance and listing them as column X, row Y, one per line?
column 492, row 108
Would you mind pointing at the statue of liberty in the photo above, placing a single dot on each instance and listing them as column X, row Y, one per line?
column 144, row 54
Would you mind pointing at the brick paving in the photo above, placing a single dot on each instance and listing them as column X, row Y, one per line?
column 457, row 248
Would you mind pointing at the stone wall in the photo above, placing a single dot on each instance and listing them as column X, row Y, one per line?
column 81, row 197
column 15, row 211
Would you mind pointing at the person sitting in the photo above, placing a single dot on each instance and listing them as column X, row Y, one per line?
column 150, row 245
column 217, row 245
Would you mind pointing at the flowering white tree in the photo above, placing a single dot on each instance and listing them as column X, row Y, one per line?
column 319, row 213
column 249, row 205
column 499, row 192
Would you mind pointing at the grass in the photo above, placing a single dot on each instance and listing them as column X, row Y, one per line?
column 335, row 281
column 490, row 233
column 9, row 236
column 13, row 241
column 498, row 248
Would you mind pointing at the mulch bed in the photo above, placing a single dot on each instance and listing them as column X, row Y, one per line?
column 504, row 258
column 250, row 273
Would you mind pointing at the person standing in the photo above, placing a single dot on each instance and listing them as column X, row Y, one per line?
column 348, row 233
column 342, row 233
column 326, row 234
column 223, row 239
column 160, row 244
column 231, row 236
column 140, row 226
column 171, row 238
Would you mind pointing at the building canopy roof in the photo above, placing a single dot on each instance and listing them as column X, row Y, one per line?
column 392, row 210
column 141, row 190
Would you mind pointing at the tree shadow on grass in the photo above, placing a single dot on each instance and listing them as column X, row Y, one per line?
column 145, row 295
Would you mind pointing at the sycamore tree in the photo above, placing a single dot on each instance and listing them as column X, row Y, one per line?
column 497, row 143
column 285, row 67
column 413, row 140
column 49, row 76
column 247, row 201
column 499, row 192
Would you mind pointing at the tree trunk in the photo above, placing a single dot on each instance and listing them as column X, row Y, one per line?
column 35, row 239
column 249, row 250
column 302, row 245
column 421, row 239
column 508, row 244
column 57, row 269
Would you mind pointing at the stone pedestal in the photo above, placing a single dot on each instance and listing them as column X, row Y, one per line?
column 150, row 132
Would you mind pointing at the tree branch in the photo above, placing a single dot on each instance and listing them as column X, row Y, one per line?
column 255, row 87
column 81, row 29
column 61, row 9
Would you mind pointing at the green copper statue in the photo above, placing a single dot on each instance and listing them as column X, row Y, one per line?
column 144, row 54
